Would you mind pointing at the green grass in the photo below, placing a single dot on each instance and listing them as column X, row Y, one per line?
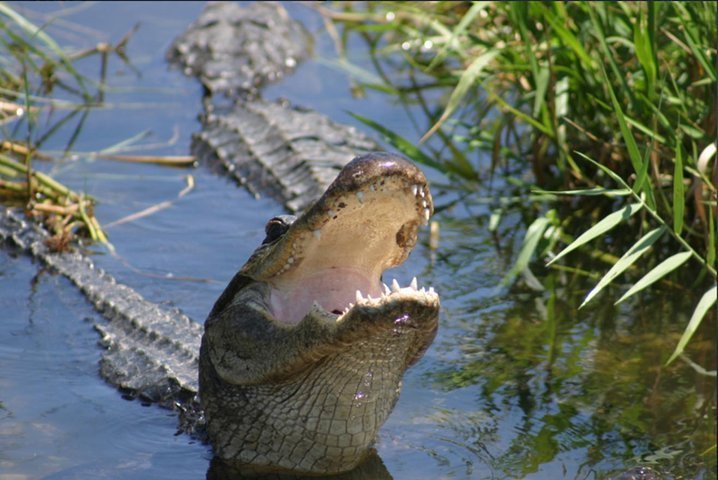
column 41, row 92
column 609, row 105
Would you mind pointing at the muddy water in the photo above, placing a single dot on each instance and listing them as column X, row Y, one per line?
column 518, row 384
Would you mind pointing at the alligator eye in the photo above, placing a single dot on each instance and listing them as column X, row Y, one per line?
column 276, row 227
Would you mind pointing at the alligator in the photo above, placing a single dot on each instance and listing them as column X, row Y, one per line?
column 270, row 147
column 151, row 352
column 235, row 50
column 303, row 354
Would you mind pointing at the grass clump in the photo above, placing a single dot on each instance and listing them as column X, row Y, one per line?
column 41, row 91
column 610, row 105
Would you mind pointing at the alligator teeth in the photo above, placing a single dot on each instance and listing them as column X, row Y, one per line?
column 395, row 286
column 431, row 291
column 387, row 291
column 424, row 204
column 422, row 193
column 359, row 298
column 415, row 190
column 414, row 284
column 427, row 214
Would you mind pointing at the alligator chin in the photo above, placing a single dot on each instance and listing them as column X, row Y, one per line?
column 302, row 356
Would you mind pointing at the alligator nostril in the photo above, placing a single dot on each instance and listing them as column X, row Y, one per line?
column 336, row 312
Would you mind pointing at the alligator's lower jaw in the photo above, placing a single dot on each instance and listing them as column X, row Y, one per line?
column 392, row 301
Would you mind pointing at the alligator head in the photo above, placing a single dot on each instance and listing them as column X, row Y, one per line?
column 303, row 354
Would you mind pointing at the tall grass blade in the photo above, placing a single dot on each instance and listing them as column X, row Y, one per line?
column 706, row 302
column 599, row 32
column 570, row 40
column 34, row 31
column 607, row 171
column 531, row 240
column 518, row 113
column 692, row 39
column 585, row 192
column 711, row 255
column 628, row 259
column 678, row 196
column 451, row 42
column 606, row 224
column 466, row 81
column 633, row 153
column 645, row 54
column 658, row 272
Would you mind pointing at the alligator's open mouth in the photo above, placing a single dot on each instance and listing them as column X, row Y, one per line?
column 333, row 256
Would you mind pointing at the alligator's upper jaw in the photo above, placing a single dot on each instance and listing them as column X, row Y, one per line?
column 366, row 222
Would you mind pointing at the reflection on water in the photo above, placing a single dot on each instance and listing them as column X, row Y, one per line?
column 516, row 385
column 372, row 469
column 578, row 392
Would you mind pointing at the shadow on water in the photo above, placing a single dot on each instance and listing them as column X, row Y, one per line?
column 518, row 384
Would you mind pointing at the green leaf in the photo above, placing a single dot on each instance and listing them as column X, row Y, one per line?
column 678, row 196
column 628, row 259
column 606, row 224
column 633, row 153
column 692, row 132
column 586, row 192
column 608, row 55
column 706, row 302
column 466, row 81
column 606, row 170
column 635, row 123
column 533, row 235
column 547, row 130
column 33, row 31
column 658, row 272
column 570, row 40
column 451, row 42
column 711, row 255
column 692, row 39
column 644, row 52
column 541, row 79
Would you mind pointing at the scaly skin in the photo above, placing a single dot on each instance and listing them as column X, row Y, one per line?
column 298, row 370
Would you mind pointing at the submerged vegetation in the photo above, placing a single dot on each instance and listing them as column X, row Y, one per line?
column 611, row 106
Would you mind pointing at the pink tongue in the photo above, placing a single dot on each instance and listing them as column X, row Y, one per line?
column 333, row 289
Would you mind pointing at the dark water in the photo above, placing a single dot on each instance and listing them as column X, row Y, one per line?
column 518, row 384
